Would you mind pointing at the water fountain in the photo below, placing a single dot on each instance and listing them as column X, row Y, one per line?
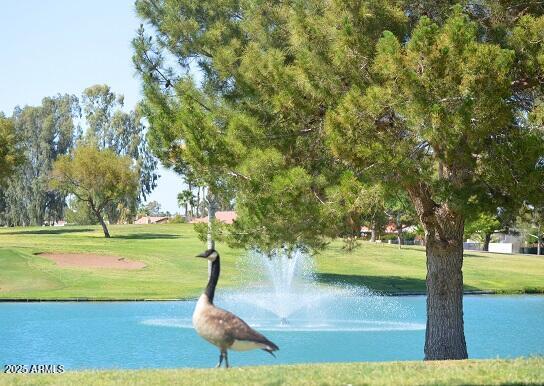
column 284, row 293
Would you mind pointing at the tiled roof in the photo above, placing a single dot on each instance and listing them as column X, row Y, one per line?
column 227, row 217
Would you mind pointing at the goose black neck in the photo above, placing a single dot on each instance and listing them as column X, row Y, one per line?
column 214, row 277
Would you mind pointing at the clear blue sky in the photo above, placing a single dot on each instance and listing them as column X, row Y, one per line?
column 64, row 46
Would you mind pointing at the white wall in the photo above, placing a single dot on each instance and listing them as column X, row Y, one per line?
column 501, row 247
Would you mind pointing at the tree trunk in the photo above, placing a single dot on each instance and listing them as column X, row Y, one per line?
column 103, row 223
column 539, row 241
column 191, row 202
column 100, row 219
column 444, row 336
column 198, row 203
column 398, row 225
column 373, row 234
column 487, row 240
column 211, row 219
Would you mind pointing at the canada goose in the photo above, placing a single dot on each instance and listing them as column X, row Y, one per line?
column 222, row 328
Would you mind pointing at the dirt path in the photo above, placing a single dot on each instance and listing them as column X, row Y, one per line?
column 88, row 260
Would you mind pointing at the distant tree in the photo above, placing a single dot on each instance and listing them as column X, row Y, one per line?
column 109, row 127
column 400, row 211
column 50, row 130
column 186, row 199
column 96, row 177
column 483, row 228
column 178, row 219
column 350, row 205
column 79, row 213
column 11, row 152
column 142, row 211
column 531, row 224
column 153, row 208
column 47, row 131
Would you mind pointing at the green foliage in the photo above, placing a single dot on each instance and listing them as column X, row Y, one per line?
column 187, row 199
column 277, row 205
column 352, row 204
column 177, row 219
column 92, row 175
column 46, row 132
column 96, row 177
column 79, row 213
column 442, row 99
column 10, row 150
column 152, row 208
column 389, row 237
column 530, row 224
column 485, row 224
column 219, row 230
column 400, row 211
column 49, row 130
column 109, row 127
column 295, row 94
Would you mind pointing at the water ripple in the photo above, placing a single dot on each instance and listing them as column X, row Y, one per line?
column 300, row 325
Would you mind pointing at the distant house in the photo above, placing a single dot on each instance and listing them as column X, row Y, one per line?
column 389, row 229
column 59, row 223
column 227, row 217
column 503, row 243
column 152, row 220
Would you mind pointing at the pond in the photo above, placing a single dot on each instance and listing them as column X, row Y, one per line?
column 159, row 334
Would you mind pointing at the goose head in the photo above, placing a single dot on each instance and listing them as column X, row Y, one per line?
column 210, row 254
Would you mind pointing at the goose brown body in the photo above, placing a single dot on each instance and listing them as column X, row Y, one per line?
column 222, row 328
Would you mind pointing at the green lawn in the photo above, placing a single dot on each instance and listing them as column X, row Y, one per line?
column 473, row 372
column 173, row 272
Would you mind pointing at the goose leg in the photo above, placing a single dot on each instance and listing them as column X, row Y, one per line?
column 220, row 360
column 226, row 359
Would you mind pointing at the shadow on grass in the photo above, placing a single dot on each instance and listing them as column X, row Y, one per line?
column 508, row 384
column 385, row 284
column 419, row 248
column 148, row 236
column 50, row 231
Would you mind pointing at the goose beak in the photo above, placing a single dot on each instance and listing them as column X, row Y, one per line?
column 205, row 254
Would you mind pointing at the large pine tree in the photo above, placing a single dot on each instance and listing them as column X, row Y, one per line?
column 444, row 103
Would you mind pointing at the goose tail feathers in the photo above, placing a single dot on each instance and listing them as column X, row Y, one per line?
column 270, row 348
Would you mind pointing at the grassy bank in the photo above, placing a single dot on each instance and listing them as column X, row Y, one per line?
column 473, row 372
column 172, row 271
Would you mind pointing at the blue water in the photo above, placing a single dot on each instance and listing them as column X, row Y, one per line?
column 156, row 335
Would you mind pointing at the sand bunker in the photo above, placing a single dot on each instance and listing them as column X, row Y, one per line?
column 88, row 260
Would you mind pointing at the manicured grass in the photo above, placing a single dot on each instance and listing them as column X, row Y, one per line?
column 473, row 372
column 173, row 272
column 389, row 269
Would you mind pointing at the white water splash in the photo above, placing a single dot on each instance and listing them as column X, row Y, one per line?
column 285, row 294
